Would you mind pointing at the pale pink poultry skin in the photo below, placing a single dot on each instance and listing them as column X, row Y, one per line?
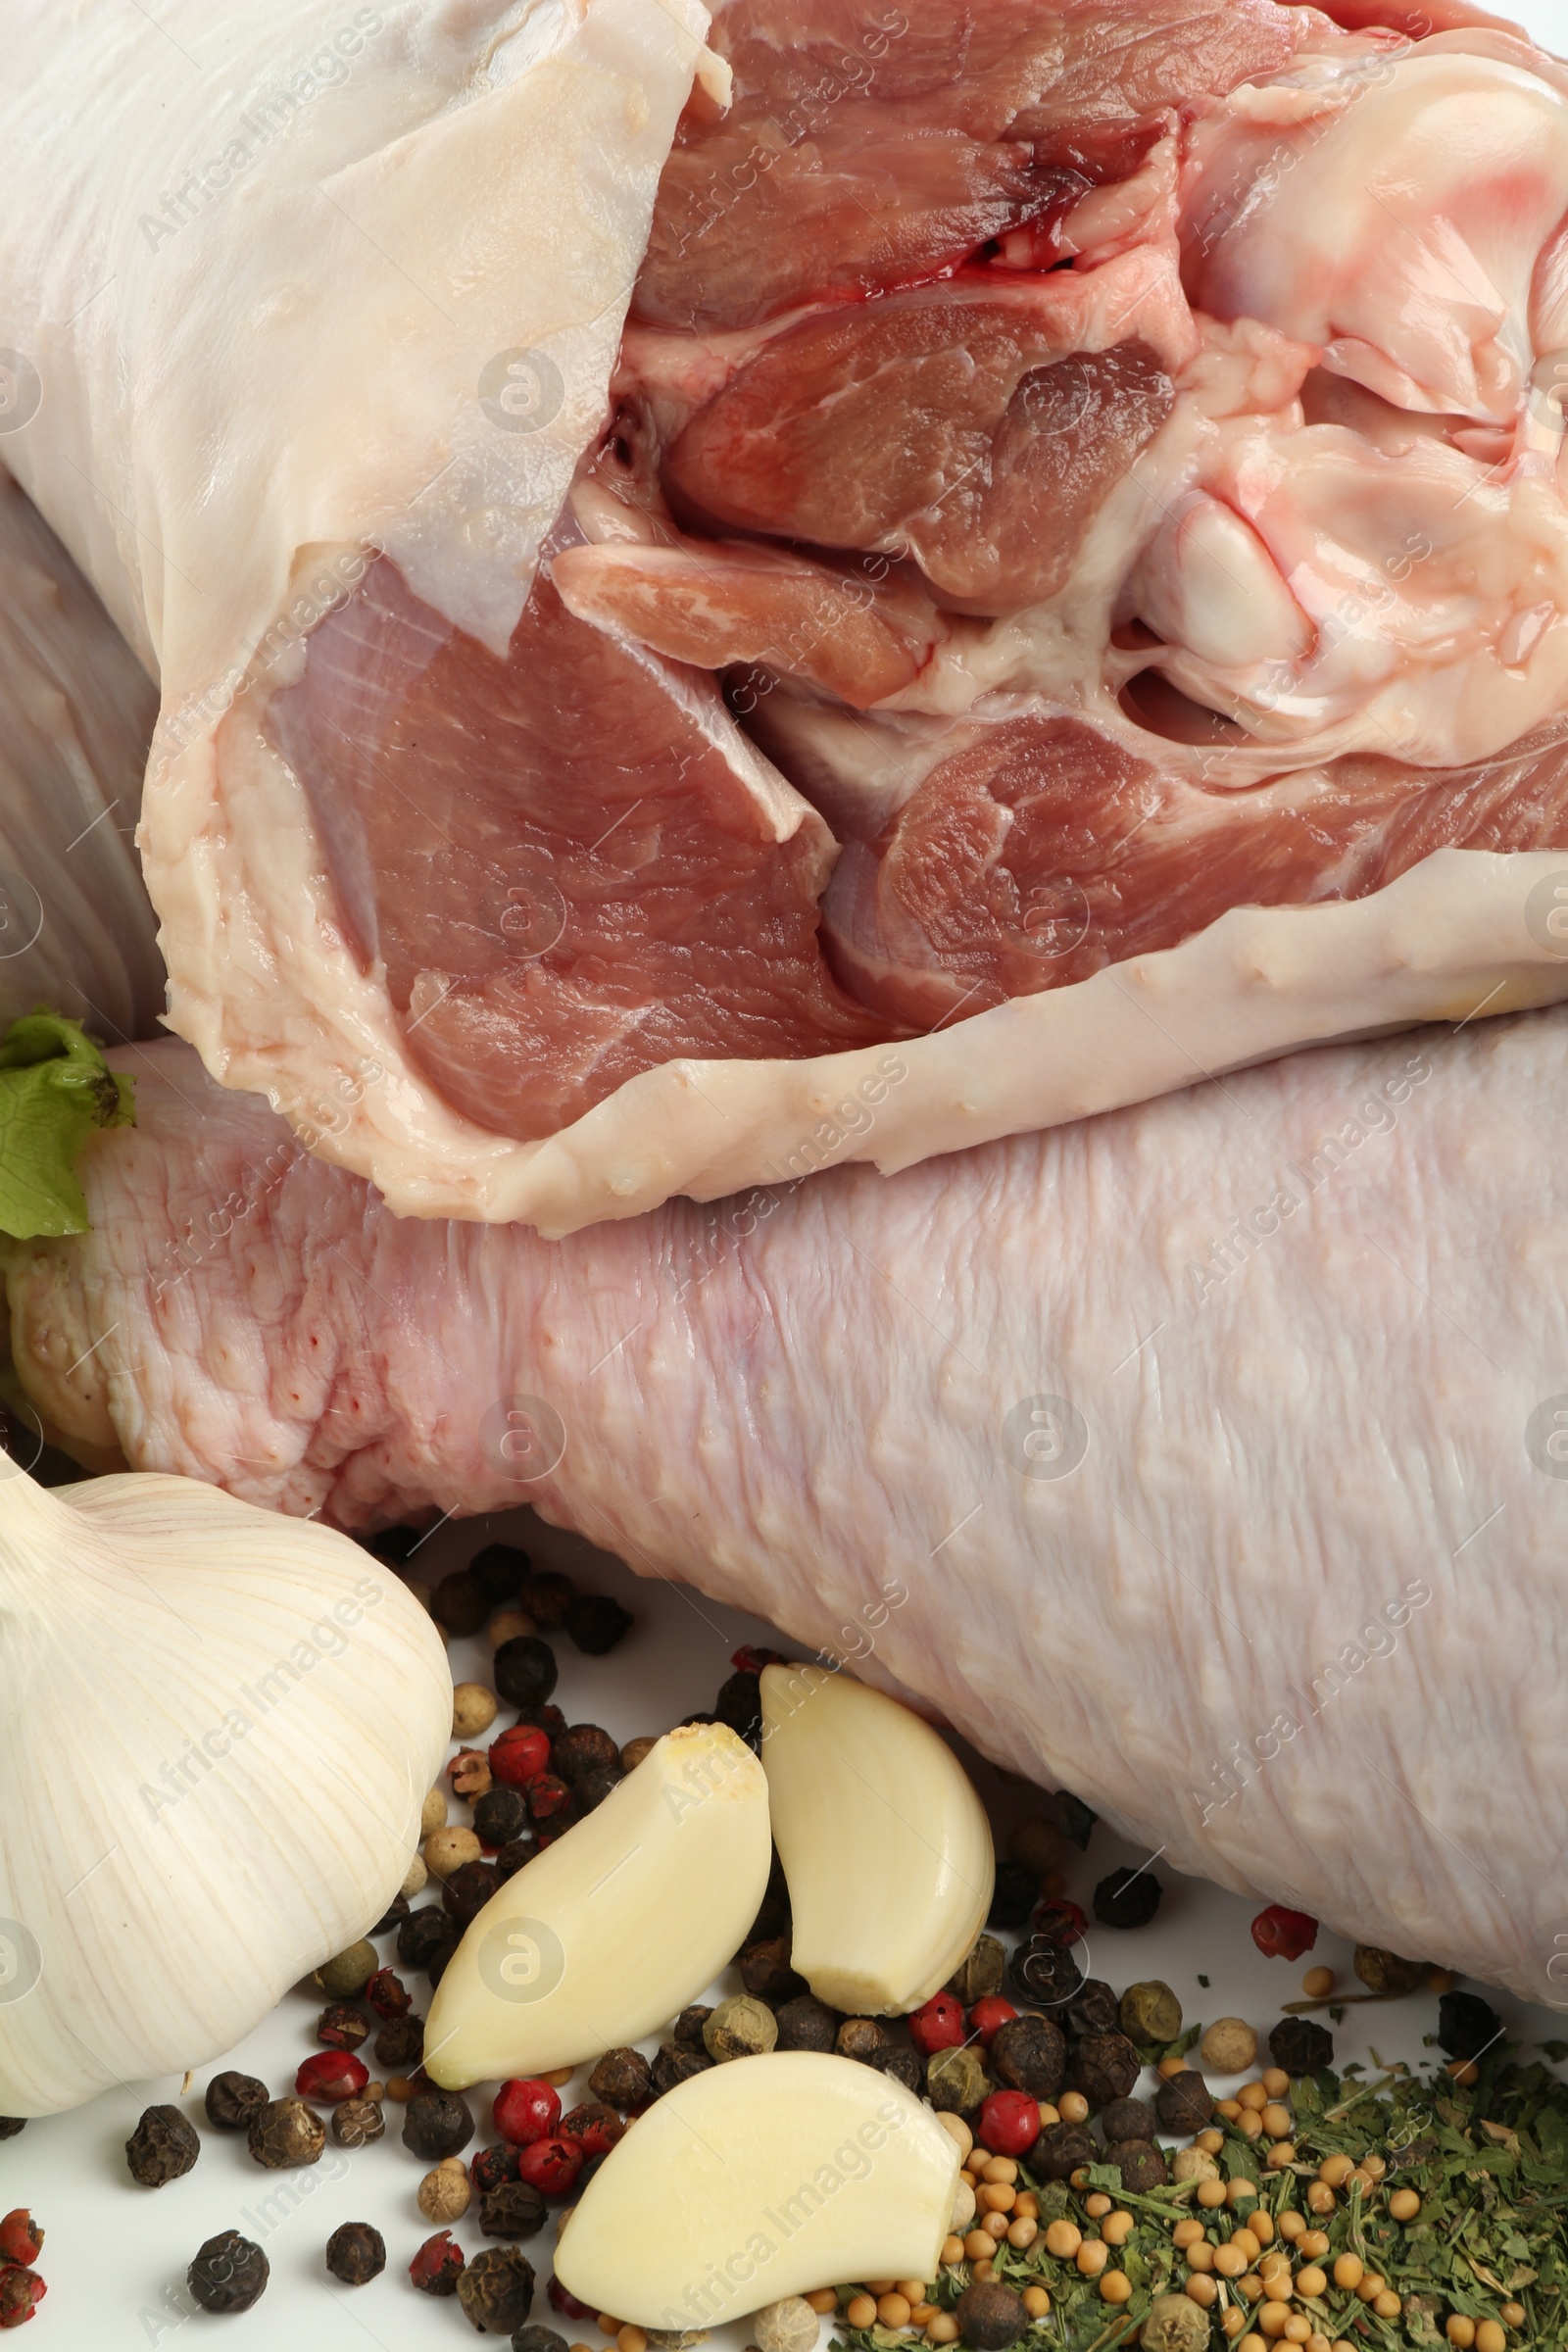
column 1297, row 1616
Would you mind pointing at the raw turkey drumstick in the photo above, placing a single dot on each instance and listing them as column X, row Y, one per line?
column 1206, row 1457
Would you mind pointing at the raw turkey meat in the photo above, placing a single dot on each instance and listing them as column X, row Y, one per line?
column 1032, row 537
column 1207, row 1456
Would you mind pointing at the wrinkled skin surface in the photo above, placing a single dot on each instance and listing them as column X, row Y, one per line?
column 1298, row 1615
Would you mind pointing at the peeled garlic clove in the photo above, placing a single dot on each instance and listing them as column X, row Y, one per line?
column 884, row 1842
column 615, row 1926
column 216, row 1728
column 760, row 2180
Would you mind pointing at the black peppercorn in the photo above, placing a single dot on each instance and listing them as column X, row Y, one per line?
column 163, row 2147
column 1128, row 2119
column 1466, row 2025
column 687, row 2030
column 400, row 2044
column 512, row 2209
column 233, row 2100
column 538, row 2340
column 421, row 1935
column 1059, row 2150
column 674, row 2065
column 396, row 1545
column 766, row 1974
column 1184, row 2103
column 341, row 2027
column 1299, row 2046
column 581, row 1749
column 496, row 2290
column 808, row 2023
column 541, row 1718
column 229, row 2272
column 624, row 2079
column 516, row 1855
column 435, row 1968
column 861, row 2037
column 1030, row 2054
column 546, row 1599
column 596, row 1624
column 284, row 2134
column 594, row 2125
column 356, row 2123
column 901, row 2062
column 740, row 1704
column 500, row 1569
column 773, row 1915
column 1045, row 1972
column 396, row 1912
column 594, row 1787
column 499, row 1815
column 436, row 2124
column 461, row 1604
column 1128, row 1898
column 468, row 1889
column 990, row 2316
column 1093, row 2009
column 1014, row 1895
column 1103, row 2067
column 356, row 2253
column 980, row 1971
column 11, row 2125
column 524, row 1670
column 1071, row 1817
column 1142, row 2166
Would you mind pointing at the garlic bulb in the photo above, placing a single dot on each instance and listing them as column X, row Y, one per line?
column 216, row 1730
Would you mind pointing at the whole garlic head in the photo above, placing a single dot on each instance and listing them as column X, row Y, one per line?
column 216, row 1730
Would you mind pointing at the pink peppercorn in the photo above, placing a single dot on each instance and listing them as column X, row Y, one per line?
column 525, row 2112
column 939, row 2024
column 331, row 2077
column 552, row 2166
column 1010, row 2122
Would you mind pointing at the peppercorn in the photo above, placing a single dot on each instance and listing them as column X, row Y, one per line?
column 345, row 1977
column 1385, row 1972
column 1299, row 2046
column 1058, row 1921
column 400, row 2044
column 808, row 2023
column 1071, row 1816
column 356, row 2253
column 859, row 2036
column 499, row 1816
column 548, row 1798
column 581, row 1749
column 939, row 2024
column 233, row 2100
column 956, row 2082
column 1044, row 1972
column 1093, row 2009
column 1103, row 2067
column 445, row 2191
column 596, row 1623
column 229, row 2272
column 516, row 1855
column 438, row 2265
column 1128, row 1898
column 675, row 2065
column 284, row 2133
column 1184, row 2103
column 1142, row 2164
column 493, row 2166
column 357, row 2122
column 594, row 1787
column 1280, row 1934
column 1175, row 2324
column 21, row 2238
column 461, row 1604
column 902, row 2063
column 11, row 2125
column 524, row 1670
column 1128, row 2119
column 387, row 1994
column 512, row 2209
column 163, row 2147
column 1059, row 2150
column 624, row 2079
column 740, row 1704
column 1229, row 2045
column 1466, row 2024
column 436, row 2124
column 595, row 2127
column 1012, row 1897
column 500, row 1569
column 1036, row 1843
column 422, row 1936
column 396, row 1912
column 766, row 1974
column 546, row 1597
column 552, row 2166
column 1030, row 2054
column 687, row 2030
column 980, row 1973
column 525, row 2109
column 1151, row 2014
column 342, row 2028
column 20, row 2292
column 470, row 1773
column 990, row 2316
column 568, row 2303
column 544, row 1717
column 496, row 2290
column 545, row 2340
column 468, row 1889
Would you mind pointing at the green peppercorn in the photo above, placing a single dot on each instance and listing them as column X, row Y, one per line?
column 344, row 1977
column 1385, row 1972
column 956, row 2081
column 980, row 1973
column 740, row 2028
column 1175, row 2324
column 1150, row 2013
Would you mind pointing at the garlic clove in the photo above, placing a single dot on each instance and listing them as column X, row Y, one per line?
column 884, row 1842
column 257, row 1710
column 615, row 1928
column 760, row 2180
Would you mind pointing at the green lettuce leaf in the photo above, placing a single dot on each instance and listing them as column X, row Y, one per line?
column 55, row 1088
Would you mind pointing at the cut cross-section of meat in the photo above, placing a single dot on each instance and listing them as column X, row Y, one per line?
column 570, row 865
column 977, row 427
